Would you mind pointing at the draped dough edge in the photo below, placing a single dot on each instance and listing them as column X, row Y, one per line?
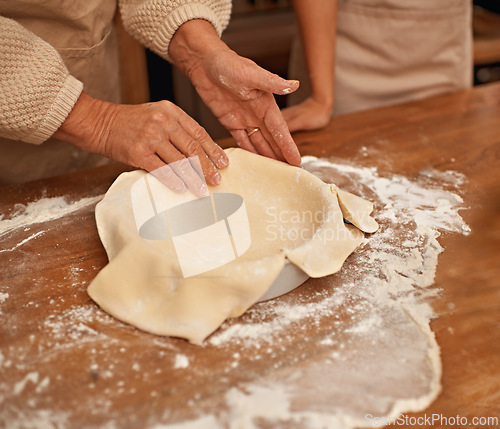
column 143, row 299
column 356, row 210
column 143, row 284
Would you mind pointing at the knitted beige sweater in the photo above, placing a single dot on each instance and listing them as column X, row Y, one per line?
column 36, row 90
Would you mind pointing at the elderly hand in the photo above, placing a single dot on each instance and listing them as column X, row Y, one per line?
column 238, row 91
column 311, row 114
column 148, row 136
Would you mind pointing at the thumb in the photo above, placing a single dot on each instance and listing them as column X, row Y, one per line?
column 270, row 82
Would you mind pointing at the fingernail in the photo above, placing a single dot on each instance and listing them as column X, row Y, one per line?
column 292, row 86
column 222, row 161
column 216, row 178
column 199, row 190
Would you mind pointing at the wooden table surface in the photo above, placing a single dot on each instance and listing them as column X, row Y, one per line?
column 60, row 354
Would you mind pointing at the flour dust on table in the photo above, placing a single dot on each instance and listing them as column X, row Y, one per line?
column 373, row 354
column 337, row 349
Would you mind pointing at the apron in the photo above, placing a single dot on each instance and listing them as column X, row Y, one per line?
column 82, row 32
column 393, row 51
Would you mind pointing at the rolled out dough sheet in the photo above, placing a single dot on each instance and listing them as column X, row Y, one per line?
column 292, row 215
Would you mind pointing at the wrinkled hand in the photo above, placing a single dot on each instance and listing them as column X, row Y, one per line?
column 237, row 91
column 311, row 114
column 148, row 136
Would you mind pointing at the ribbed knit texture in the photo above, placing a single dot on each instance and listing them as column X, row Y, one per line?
column 36, row 90
column 154, row 22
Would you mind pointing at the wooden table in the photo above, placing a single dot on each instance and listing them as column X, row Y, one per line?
column 66, row 362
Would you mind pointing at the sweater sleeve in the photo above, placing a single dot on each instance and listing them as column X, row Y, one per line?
column 36, row 90
column 154, row 22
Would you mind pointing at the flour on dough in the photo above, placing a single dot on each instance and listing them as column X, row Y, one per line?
column 292, row 215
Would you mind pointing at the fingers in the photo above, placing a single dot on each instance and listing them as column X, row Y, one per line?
column 243, row 141
column 255, row 143
column 211, row 149
column 282, row 86
column 175, row 138
column 266, row 134
column 164, row 174
column 261, row 79
column 185, row 170
column 159, row 137
column 189, row 146
column 273, row 135
column 272, row 140
column 279, row 130
column 182, row 146
column 274, row 130
column 240, row 94
column 188, row 139
column 178, row 175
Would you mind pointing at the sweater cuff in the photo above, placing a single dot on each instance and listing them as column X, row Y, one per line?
column 178, row 17
column 59, row 111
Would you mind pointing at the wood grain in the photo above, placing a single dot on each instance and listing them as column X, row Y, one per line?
column 100, row 371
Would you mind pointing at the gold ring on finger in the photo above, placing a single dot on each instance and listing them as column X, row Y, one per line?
column 253, row 131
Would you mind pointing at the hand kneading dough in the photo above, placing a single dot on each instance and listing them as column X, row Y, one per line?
column 292, row 214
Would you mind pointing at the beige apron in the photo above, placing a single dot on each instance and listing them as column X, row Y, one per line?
column 392, row 51
column 82, row 31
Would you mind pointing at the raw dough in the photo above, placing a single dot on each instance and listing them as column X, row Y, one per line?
column 292, row 214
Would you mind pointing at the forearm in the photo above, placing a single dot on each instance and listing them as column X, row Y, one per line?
column 193, row 41
column 318, row 23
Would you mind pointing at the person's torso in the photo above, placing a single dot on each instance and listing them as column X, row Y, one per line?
column 83, row 33
column 76, row 24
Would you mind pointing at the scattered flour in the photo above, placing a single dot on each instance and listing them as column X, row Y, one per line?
column 258, row 402
column 372, row 352
column 43, row 210
column 205, row 422
column 181, row 361
column 31, row 237
column 19, row 386
column 38, row 419
column 385, row 359
column 42, row 385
